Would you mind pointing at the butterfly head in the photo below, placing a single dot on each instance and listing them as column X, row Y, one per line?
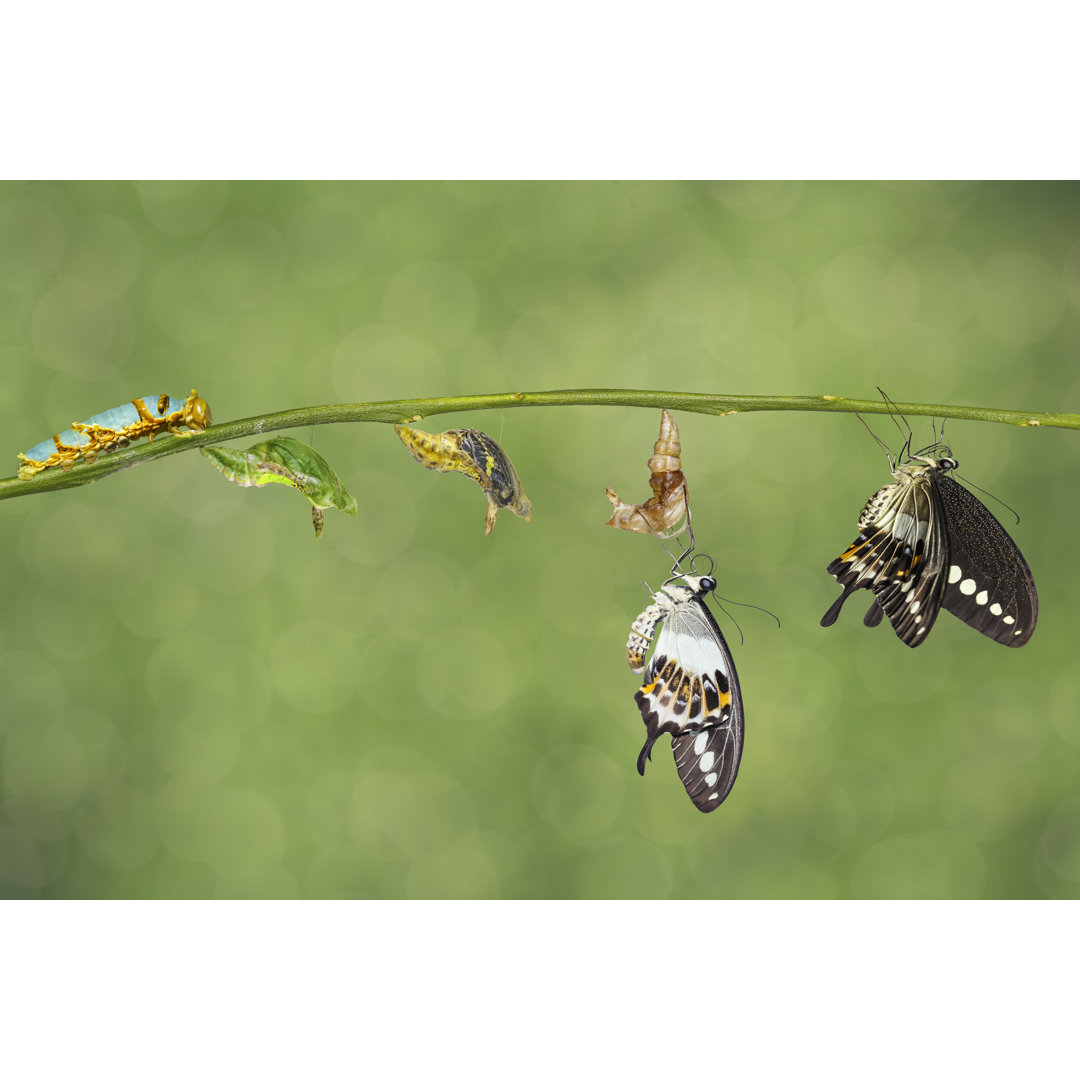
column 937, row 455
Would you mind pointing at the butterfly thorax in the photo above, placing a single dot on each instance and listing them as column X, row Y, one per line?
column 917, row 470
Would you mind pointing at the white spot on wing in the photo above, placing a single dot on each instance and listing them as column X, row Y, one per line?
column 711, row 779
column 995, row 609
column 967, row 586
column 700, row 742
column 1008, row 621
column 707, row 759
column 982, row 597
column 955, row 574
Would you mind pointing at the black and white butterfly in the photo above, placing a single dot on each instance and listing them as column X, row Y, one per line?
column 925, row 542
column 690, row 690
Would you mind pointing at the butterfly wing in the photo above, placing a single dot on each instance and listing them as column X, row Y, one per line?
column 988, row 584
column 900, row 555
column 692, row 691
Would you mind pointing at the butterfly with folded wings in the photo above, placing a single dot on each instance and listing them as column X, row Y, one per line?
column 926, row 543
column 690, row 688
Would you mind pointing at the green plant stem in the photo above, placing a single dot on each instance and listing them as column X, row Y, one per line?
column 417, row 409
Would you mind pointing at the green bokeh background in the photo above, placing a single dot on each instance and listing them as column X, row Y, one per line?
column 198, row 699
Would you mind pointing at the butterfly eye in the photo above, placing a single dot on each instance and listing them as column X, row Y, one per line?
column 708, row 584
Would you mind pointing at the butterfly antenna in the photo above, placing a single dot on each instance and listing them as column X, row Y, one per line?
column 895, row 415
column 721, row 600
column 881, row 443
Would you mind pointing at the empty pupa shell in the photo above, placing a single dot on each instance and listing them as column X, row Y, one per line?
column 663, row 511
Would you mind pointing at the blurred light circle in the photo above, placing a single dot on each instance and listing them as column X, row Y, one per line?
column 858, row 804
column 434, row 299
column 80, row 331
column 101, row 750
column 408, row 813
column 20, row 860
column 330, row 242
column 200, row 753
column 34, row 689
column 463, row 870
column 580, row 792
column 198, row 679
column 231, row 568
column 43, row 766
column 184, row 310
column 947, row 285
column 32, row 242
column 55, row 618
column 119, row 832
column 242, row 262
column 772, row 298
column 236, row 833
column 388, row 521
column 985, row 799
column 313, row 665
column 937, row 200
column 572, row 222
column 105, row 254
column 182, row 207
column 705, row 293
column 758, row 200
column 987, row 729
column 90, row 568
column 375, row 362
column 632, row 869
column 932, row 866
column 465, row 672
column 1021, row 298
column 870, row 291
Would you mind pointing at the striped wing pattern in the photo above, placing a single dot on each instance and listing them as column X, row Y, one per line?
column 690, row 690
column 925, row 542
column 899, row 555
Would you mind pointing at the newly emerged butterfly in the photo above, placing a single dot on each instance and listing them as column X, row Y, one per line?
column 926, row 543
column 690, row 690
column 105, row 431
